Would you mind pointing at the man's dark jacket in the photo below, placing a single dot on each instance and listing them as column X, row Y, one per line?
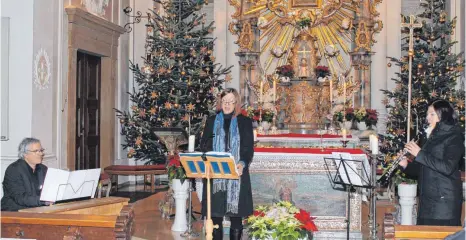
column 20, row 190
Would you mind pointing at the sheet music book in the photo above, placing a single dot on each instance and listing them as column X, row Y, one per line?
column 352, row 174
column 62, row 185
column 223, row 164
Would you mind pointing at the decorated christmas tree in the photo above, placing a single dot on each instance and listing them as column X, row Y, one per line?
column 179, row 82
column 436, row 74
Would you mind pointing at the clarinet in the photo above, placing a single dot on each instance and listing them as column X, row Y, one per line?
column 387, row 175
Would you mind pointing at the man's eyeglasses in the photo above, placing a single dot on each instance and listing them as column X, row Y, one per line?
column 37, row 151
column 228, row 103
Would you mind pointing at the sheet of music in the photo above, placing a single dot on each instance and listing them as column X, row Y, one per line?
column 352, row 173
column 63, row 185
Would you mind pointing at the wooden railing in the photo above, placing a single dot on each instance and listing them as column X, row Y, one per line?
column 394, row 232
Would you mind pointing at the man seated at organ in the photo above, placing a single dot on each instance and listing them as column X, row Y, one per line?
column 24, row 178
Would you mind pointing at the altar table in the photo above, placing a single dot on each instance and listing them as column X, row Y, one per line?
column 299, row 174
column 296, row 140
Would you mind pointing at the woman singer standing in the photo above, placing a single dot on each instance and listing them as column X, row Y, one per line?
column 436, row 165
column 229, row 131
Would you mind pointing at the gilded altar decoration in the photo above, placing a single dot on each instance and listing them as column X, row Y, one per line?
column 308, row 103
column 304, row 55
column 245, row 40
column 282, row 22
column 42, row 70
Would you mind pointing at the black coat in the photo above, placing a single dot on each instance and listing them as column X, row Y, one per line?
column 20, row 189
column 218, row 200
column 437, row 168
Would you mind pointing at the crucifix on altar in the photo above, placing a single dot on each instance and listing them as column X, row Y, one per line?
column 411, row 25
column 303, row 68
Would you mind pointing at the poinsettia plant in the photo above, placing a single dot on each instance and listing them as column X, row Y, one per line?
column 322, row 71
column 285, row 71
column 175, row 169
column 255, row 114
column 280, row 221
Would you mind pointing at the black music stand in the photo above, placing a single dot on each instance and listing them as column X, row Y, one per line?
column 348, row 174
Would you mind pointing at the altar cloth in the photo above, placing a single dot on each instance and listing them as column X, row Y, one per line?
column 296, row 140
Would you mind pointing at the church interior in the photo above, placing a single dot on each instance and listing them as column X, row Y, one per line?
column 334, row 97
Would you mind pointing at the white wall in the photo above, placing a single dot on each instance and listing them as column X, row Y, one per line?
column 21, row 16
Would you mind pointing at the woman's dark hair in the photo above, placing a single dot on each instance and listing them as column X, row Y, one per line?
column 445, row 112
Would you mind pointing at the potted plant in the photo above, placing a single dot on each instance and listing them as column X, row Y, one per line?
column 360, row 117
column 280, row 221
column 256, row 115
column 371, row 118
column 322, row 72
column 286, row 72
column 345, row 117
column 177, row 177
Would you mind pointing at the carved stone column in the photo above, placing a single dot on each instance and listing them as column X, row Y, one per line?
column 249, row 54
column 365, row 26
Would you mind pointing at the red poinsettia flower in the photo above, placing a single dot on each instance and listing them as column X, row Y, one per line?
column 310, row 226
column 244, row 112
column 302, row 216
column 258, row 213
column 174, row 161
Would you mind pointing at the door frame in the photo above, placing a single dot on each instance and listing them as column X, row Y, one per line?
column 97, row 36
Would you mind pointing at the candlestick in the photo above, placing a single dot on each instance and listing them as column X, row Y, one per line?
column 255, row 135
column 274, row 91
column 261, row 88
column 374, row 144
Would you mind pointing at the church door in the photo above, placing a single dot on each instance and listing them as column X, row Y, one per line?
column 88, row 97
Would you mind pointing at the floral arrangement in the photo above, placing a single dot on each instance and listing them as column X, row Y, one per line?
column 285, row 71
column 371, row 117
column 346, row 114
column 322, row 71
column 254, row 114
column 280, row 221
column 368, row 116
column 175, row 169
column 304, row 22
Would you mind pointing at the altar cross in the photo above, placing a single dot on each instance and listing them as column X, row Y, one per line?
column 303, row 52
column 411, row 25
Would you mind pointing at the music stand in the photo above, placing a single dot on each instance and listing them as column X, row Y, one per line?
column 209, row 165
column 344, row 171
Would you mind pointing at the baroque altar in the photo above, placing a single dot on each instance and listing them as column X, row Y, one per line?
column 303, row 105
column 299, row 176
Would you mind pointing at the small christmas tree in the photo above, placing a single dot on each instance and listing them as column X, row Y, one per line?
column 435, row 71
column 179, row 82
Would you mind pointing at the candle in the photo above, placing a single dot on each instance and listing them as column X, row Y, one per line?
column 331, row 92
column 274, row 91
column 374, row 144
column 192, row 140
column 343, row 132
column 344, row 92
column 261, row 88
column 255, row 135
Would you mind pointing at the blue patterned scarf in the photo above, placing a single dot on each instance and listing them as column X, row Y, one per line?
column 231, row 186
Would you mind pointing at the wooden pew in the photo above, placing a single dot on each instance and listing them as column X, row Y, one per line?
column 395, row 232
column 98, row 218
